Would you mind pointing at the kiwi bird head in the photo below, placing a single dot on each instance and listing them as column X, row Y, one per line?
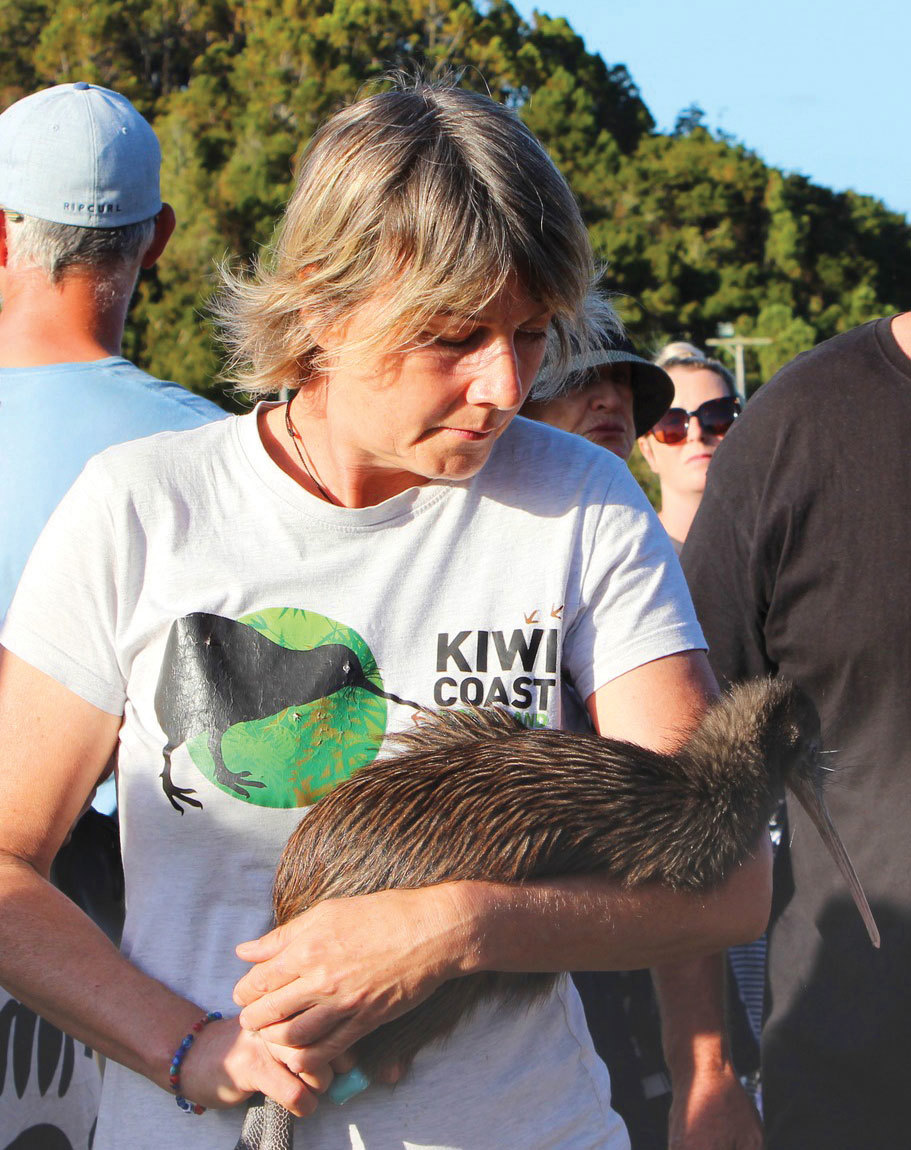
column 790, row 737
column 780, row 726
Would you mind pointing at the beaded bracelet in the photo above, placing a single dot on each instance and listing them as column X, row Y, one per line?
column 180, row 1054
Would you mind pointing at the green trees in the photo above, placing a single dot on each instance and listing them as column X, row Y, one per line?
column 695, row 228
column 699, row 231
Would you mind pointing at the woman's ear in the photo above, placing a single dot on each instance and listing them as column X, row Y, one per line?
column 327, row 335
column 648, row 454
column 323, row 332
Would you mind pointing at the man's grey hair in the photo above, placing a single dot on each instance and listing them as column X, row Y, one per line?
column 57, row 248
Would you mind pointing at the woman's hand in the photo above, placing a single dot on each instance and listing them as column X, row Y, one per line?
column 226, row 1064
column 346, row 966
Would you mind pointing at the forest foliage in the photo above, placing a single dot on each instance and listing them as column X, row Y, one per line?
column 695, row 229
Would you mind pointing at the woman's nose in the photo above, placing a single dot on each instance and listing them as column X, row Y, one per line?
column 695, row 430
column 604, row 395
column 498, row 382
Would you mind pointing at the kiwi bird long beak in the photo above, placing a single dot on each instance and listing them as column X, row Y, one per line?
column 810, row 798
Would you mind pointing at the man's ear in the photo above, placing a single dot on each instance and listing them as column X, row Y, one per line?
column 165, row 223
column 3, row 248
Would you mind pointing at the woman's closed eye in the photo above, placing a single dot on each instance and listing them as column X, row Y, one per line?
column 465, row 340
column 456, row 340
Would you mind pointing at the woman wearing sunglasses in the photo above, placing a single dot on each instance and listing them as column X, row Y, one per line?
column 680, row 446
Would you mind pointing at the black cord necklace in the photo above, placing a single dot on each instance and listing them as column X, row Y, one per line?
column 295, row 436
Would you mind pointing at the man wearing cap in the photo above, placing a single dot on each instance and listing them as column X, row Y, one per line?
column 609, row 396
column 80, row 214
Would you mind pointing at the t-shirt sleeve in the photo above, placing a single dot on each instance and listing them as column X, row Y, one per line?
column 64, row 617
column 633, row 601
column 722, row 560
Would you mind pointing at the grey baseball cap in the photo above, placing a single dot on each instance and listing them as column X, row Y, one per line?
column 79, row 154
column 653, row 389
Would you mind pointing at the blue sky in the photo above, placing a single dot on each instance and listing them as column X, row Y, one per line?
column 822, row 89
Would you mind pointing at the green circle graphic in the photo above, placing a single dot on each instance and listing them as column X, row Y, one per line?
column 304, row 751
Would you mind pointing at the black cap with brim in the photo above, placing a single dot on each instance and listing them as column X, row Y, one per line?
column 653, row 389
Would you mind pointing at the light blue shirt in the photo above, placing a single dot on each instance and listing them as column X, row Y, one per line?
column 53, row 419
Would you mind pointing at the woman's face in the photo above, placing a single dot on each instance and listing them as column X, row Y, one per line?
column 682, row 467
column 602, row 410
column 434, row 411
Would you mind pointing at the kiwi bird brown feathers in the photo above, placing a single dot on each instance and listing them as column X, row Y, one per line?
column 477, row 795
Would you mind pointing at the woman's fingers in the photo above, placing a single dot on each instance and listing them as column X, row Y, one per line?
column 344, row 1063
column 290, row 1090
column 227, row 1064
column 316, row 1074
column 263, row 948
column 273, row 1016
column 319, row 1035
column 276, row 966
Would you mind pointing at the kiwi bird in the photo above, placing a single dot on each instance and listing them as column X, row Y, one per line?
column 477, row 795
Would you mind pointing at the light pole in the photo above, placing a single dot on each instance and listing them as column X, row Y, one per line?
column 736, row 343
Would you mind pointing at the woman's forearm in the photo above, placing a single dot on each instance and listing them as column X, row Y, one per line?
column 55, row 960
column 54, row 746
column 593, row 923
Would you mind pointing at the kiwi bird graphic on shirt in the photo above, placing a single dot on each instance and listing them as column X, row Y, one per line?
column 275, row 708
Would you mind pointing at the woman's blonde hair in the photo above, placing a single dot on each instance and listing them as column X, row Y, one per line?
column 428, row 196
column 682, row 354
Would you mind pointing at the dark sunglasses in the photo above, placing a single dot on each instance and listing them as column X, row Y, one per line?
column 715, row 417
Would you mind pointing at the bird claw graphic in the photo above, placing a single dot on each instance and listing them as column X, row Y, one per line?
column 174, row 793
column 237, row 781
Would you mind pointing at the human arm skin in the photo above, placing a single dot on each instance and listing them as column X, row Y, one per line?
column 710, row 1109
column 53, row 749
column 346, row 966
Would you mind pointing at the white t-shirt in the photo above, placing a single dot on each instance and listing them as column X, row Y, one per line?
column 246, row 626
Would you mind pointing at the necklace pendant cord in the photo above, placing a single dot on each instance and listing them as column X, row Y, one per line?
column 296, row 439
